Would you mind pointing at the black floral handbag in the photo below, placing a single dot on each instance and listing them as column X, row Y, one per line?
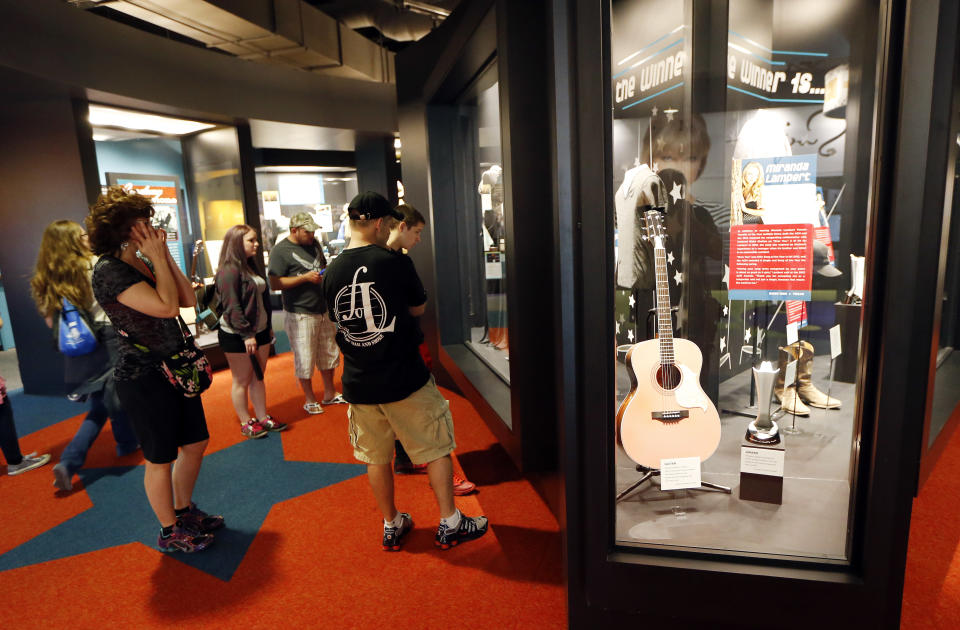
column 187, row 369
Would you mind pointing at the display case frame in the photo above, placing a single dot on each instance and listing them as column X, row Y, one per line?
column 610, row 584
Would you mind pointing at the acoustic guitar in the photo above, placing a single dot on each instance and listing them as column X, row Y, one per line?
column 666, row 414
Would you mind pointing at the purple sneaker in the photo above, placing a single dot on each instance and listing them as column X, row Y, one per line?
column 199, row 521
column 185, row 540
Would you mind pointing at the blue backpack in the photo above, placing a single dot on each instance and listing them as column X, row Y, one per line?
column 75, row 338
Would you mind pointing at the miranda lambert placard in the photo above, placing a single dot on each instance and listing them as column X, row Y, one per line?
column 773, row 211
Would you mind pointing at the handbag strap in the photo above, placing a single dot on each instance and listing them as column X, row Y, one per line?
column 184, row 329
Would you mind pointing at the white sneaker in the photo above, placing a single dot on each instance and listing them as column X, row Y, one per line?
column 29, row 462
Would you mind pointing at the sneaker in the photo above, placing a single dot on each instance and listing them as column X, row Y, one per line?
column 62, row 479
column 199, row 521
column 268, row 423
column 462, row 486
column 184, row 539
column 29, row 462
column 392, row 536
column 470, row 527
column 253, row 430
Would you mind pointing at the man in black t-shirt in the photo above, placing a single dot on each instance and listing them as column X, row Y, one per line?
column 374, row 296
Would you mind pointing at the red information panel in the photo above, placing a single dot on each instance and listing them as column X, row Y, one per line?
column 771, row 262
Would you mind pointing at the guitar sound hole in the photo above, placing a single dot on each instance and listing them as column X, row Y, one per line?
column 668, row 376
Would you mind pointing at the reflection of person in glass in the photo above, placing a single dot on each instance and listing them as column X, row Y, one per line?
column 679, row 149
column 491, row 183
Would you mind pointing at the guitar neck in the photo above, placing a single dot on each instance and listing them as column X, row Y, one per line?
column 664, row 314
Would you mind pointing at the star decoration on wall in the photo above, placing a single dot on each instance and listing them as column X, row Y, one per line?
column 726, row 276
column 678, row 277
column 669, row 113
column 630, row 335
column 670, row 258
column 632, row 301
column 746, row 336
column 723, row 344
column 676, row 192
column 654, row 111
column 660, row 144
column 726, row 311
column 618, row 328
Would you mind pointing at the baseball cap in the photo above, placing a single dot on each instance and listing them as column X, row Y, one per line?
column 305, row 221
column 821, row 261
column 370, row 205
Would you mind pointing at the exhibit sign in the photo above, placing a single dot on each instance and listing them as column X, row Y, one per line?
column 773, row 212
column 324, row 216
column 163, row 193
column 771, row 262
column 271, row 204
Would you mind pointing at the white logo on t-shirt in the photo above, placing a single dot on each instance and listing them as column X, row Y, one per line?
column 371, row 308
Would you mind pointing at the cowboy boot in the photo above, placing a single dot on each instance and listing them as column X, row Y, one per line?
column 805, row 388
column 787, row 396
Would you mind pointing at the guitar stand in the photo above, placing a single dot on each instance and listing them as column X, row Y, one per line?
column 650, row 473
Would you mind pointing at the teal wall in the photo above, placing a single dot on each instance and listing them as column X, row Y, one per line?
column 148, row 156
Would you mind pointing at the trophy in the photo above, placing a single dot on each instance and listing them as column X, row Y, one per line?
column 764, row 430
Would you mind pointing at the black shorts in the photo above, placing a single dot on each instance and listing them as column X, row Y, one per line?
column 230, row 342
column 162, row 417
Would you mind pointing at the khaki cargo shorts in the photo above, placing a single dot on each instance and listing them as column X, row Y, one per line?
column 421, row 421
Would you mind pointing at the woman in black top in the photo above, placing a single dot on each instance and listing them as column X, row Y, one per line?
column 141, row 289
column 245, row 332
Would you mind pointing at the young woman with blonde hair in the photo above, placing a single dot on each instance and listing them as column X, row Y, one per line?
column 245, row 331
column 63, row 271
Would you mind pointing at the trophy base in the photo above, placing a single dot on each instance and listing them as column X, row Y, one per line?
column 766, row 436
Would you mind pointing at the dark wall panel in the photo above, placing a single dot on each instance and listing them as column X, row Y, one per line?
column 377, row 167
column 43, row 180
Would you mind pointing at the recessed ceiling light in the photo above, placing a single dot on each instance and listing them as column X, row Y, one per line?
column 126, row 119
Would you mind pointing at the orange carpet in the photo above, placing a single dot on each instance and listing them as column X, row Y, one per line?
column 931, row 593
column 315, row 560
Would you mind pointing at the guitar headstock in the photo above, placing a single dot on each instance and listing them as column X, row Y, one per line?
column 653, row 225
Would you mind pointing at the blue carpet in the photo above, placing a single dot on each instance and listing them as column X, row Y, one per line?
column 121, row 514
column 33, row 413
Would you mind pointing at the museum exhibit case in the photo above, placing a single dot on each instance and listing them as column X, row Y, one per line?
column 760, row 179
column 740, row 227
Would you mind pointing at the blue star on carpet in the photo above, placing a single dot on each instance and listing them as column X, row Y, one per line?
column 241, row 482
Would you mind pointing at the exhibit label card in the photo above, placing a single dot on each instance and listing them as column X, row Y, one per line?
column 790, row 374
column 792, row 333
column 835, row 348
column 771, row 262
column 762, row 461
column 679, row 473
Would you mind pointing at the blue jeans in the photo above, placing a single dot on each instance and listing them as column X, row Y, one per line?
column 76, row 451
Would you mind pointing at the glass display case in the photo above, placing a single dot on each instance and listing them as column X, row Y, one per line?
column 741, row 212
column 483, row 229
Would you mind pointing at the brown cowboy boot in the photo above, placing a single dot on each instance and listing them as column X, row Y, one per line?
column 789, row 400
column 805, row 388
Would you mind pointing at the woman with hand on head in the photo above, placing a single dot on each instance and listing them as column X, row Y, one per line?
column 245, row 332
column 63, row 271
column 141, row 289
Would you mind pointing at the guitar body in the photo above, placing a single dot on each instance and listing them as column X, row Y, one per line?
column 647, row 440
